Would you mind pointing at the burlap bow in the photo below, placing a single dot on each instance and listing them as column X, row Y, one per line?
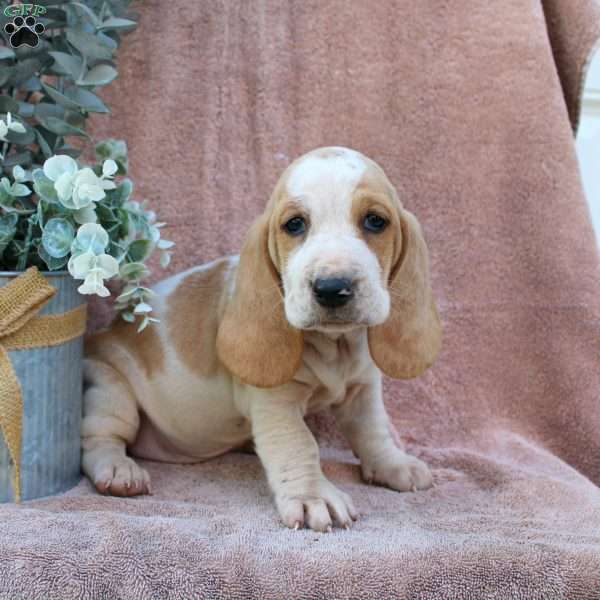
column 21, row 329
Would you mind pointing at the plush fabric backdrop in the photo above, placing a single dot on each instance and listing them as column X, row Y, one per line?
column 467, row 106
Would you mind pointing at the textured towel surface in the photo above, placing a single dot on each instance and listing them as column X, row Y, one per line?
column 468, row 107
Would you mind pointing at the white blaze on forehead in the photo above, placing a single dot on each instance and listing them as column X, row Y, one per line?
column 325, row 183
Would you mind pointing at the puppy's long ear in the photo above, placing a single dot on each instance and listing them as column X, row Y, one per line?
column 409, row 341
column 255, row 341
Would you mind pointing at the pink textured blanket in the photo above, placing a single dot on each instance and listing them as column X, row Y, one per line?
column 466, row 105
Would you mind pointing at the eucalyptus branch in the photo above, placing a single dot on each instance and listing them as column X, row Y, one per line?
column 53, row 210
column 80, row 57
column 22, row 263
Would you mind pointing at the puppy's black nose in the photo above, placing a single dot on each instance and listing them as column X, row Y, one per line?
column 333, row 292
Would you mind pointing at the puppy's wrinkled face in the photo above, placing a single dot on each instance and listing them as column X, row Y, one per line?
column 336, row 234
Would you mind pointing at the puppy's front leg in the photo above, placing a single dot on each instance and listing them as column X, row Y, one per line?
column 365, row 423
column 290, row 456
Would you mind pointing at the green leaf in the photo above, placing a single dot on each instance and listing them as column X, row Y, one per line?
column 53, row 264
column 103, row 150
column 139, row 250
column 117, row 23
column 70, row 64
column 133, row 271
column 20, row 158
column 40, row 212
column 11, row 210
column 8, row 104
column 25, row 109
column 116, row 250
column 91, row 15
column 25, row 69
column 68, row 150
column 122, row 192
column 99, row 75
column 6, row 200
column 117, row 150
column 86, row 100
column 108, row 39
column 44, row 146
column 75, row 118
column 22, row 138
column 113, row 35
column 6, row 74
column 20, row 190
column 92, row 237
column 47, row 109
column 142, row 308
column 8, row 229
column 60, row 98
column 105, row 214
column 165, row 259
column 57, row 237
column 125, row 224
column 61, row 127
column 44, row 187
column 6, row 53
column 89, row 45
column 128, row 293
column 145, row 322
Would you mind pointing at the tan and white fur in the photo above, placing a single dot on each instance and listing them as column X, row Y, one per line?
column 244, row 350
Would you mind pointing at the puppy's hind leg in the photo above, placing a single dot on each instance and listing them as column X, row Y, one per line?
column 110, row 422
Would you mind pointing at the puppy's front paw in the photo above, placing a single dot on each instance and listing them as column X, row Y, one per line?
column 316, row 506
column 400, row 472
column 120, row 476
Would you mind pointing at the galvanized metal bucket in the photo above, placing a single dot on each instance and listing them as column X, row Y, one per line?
column 51, row 383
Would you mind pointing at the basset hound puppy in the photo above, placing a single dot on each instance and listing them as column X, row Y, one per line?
column 331, row 289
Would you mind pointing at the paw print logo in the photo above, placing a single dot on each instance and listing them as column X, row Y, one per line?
column 24, row 32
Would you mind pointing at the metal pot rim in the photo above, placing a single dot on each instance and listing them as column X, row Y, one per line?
column 44, row 273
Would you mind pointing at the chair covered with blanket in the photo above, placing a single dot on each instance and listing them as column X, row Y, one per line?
column 470, row 108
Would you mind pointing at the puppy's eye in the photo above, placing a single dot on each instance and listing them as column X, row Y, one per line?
column 295, row 226
column 374, row 223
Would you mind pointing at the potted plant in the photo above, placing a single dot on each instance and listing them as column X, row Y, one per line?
column 66, row 229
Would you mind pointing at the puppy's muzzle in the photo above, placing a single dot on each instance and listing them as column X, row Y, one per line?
column 333, row 292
